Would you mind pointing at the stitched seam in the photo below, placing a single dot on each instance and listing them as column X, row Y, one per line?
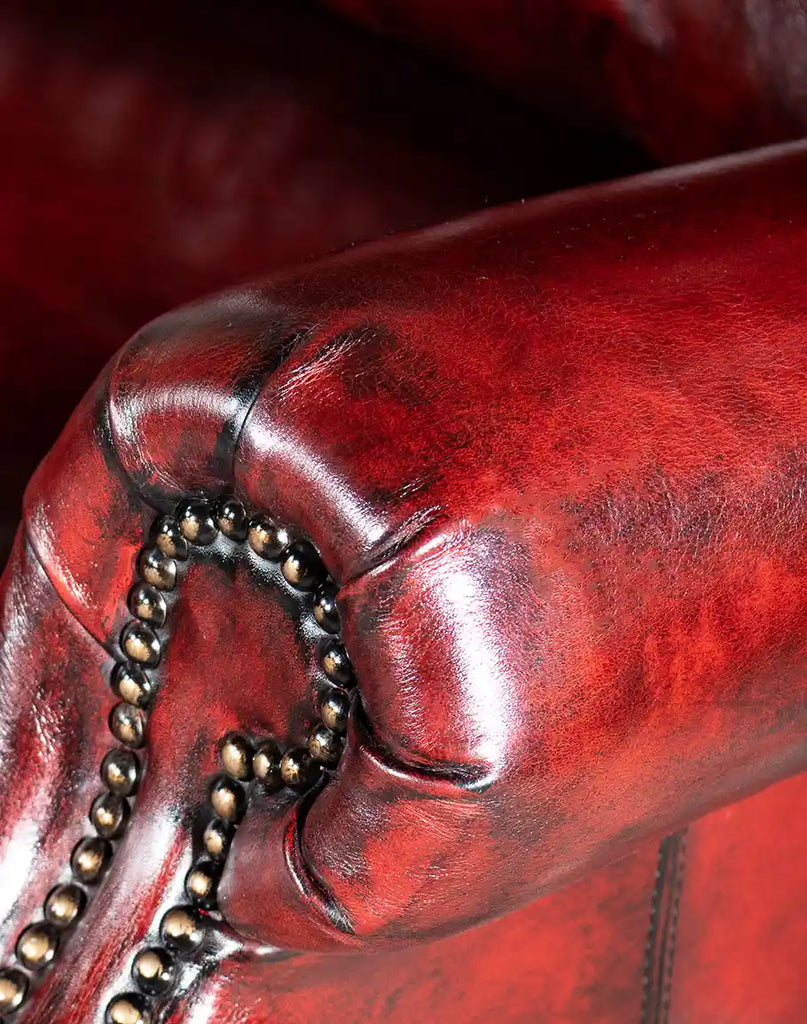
column 657, row 973
column 652, row 932
column 680, row 868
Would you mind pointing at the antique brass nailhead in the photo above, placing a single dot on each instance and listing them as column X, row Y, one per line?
column 182, row 929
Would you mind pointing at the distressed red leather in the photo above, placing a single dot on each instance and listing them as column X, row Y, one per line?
column 553, row 455
column 155, row 153
column 744, row 866
column 689, row 78
column 540, row 488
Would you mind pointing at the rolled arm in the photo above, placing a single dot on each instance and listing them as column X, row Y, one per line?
column 553, row 457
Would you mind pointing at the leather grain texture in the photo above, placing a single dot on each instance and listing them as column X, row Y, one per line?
column 554, row 456
column 689, row 78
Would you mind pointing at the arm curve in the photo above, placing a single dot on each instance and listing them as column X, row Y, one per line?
column 554, row 458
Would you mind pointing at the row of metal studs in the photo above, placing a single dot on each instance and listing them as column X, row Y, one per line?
column 182, row 929
column 198, row 523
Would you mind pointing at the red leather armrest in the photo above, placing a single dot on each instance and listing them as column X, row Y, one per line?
column 554, row 457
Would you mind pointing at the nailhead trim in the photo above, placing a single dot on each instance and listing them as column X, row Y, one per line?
column 245, row 762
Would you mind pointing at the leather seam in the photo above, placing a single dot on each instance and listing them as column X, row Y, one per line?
column 106, row 404
column 293, row 339
column 304, row 769
column 673, row 935
column 30, row 545
column 662, row 934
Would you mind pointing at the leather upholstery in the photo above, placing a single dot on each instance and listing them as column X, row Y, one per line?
column 552, row 454
column 689, row 78
column 141, row 170
column 737, row 923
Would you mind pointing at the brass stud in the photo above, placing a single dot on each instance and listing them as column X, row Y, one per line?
column 109, row 814
column 139, row 642
column 298, row 769
column 232, row 519
column 37, row 946
column 148, row 604
column 13, row 989
column 228, row 799
column 167, row 536
column 326, row 612
column 236, row 756
column 336, row 664
column 181, row 928
column 120, row 770
column 131, row 684
column 266, row 538
column 90, row 859
column 201, row 883
column 64, row 905
column 182, row 931
column 196, row 522
column 217, row 838
column 153, row 971
column 128, row 725
column 324, row 745
column 128, row 1009
column 158, row 569
column 334, row 709
column 301, row 565
column 266, row 765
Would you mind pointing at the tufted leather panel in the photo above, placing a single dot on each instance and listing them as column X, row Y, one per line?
column 554, row 457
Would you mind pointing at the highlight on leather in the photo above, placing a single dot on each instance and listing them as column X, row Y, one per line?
column 552, row 457
column 184, row 928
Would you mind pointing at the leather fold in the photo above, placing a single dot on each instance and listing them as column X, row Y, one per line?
column 554, row 455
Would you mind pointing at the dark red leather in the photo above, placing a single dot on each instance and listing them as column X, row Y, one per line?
column 576, row 956
column 553, row 455
column 738, row 926
column 690, row 78
column 153, row 153
column 538, row 486
column 585, row 954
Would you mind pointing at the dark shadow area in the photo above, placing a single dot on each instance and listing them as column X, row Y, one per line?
column 152, row 153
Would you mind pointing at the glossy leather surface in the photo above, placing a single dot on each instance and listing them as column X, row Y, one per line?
column 690, row 78
column 552, row 454
column 538, row 488
column 575, row 957
column 153, row 153
column 584, row 955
